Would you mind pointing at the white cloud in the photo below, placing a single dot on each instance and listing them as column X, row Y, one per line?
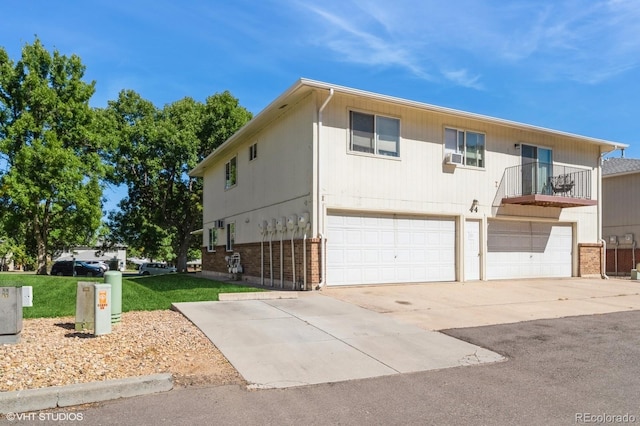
column 462, row 78
column 588, row 41
column 364, row 45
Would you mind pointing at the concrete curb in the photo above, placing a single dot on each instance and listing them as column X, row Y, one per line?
column 257, row 295
column 82, row 393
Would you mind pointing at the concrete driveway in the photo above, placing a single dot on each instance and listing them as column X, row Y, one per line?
column 337, row 334
column 311, row 339
column 440, row 306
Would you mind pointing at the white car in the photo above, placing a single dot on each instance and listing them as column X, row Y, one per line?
column 155, row 269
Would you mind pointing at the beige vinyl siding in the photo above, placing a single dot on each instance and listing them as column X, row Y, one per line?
column 277, row 183
column 418, row 181
column 621, row 204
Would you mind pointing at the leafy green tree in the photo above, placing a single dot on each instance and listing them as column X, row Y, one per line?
column 53, row 163
column 156, row 150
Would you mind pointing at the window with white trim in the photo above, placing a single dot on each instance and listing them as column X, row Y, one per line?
column 213, row 239
column 230, row 173
column 375, row 134
column 231, row 235
column 470, row 144
column 253, row 151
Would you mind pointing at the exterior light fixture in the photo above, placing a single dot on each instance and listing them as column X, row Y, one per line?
column 474, row 206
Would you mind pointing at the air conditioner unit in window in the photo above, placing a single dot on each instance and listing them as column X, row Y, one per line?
column 219, row 223
column 454, row 158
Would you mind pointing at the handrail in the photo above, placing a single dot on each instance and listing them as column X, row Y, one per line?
column 545, row 179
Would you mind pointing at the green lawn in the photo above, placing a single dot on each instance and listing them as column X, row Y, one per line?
column 56, row 296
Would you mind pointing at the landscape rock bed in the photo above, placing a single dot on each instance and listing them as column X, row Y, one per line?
column 52, row 353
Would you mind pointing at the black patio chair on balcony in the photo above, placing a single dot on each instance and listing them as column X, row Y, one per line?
column 561, row 184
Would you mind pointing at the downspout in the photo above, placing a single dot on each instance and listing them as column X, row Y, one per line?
column 603, row 272
column 282, row 259
column 633, row 254
column 293, row 258
column 615, row 258
column 262, row 259
column 319, row 204
column 304, row 260
column 271, row 257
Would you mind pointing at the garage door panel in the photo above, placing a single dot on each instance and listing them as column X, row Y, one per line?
column 354, row 257
column 386, row 237
column 528, row 250
column 354, row 237
column 390, row 250
column 370, row 236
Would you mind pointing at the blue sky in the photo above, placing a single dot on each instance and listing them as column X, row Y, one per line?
column 571, row 65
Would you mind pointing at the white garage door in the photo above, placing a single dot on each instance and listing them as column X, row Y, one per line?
column 528, row 250
column 389, row 249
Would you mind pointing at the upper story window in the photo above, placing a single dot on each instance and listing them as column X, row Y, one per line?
column 471, row 145
column 375, row 134
column 230, row 173
column 213, row 239
column 253, row 151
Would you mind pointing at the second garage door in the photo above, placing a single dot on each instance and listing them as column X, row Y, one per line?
column 528, row 250
column 389, row 249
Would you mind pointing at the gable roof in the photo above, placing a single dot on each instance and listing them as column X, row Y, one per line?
column 304, row 86
column 619, row 166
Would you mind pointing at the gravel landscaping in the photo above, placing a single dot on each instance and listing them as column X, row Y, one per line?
column 52, row 353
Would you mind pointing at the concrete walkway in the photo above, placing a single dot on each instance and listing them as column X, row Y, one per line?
column 440, row 306
column 316, row 339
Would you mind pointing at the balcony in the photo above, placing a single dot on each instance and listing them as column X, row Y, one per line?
column 547, row 185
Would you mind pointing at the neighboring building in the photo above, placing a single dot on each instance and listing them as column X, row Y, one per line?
column 620, row 213
column 116, row 255
column 7, row 263
column 337, row 186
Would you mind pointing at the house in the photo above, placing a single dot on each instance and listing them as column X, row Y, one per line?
column 620, row 219
column 330, row 185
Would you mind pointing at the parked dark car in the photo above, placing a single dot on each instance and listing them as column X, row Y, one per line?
column 70, row 268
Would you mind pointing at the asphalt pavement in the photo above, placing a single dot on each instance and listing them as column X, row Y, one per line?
column 577, row 370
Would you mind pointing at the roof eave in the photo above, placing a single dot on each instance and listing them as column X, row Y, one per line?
column 281, row 100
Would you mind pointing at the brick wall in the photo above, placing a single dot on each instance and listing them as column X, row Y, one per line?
column 251, row 256
column 590, row 260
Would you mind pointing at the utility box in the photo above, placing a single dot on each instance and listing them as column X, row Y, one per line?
column 27, row 296
column 10, row 314
column 634, row 274
column 102, row 306
column 114, row 278
column 85, row 309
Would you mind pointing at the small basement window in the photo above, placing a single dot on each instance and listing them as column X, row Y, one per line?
column 213, row 239
column 231, row 235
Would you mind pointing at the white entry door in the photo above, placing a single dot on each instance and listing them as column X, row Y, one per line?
column 472, row 250
column 389, row 249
